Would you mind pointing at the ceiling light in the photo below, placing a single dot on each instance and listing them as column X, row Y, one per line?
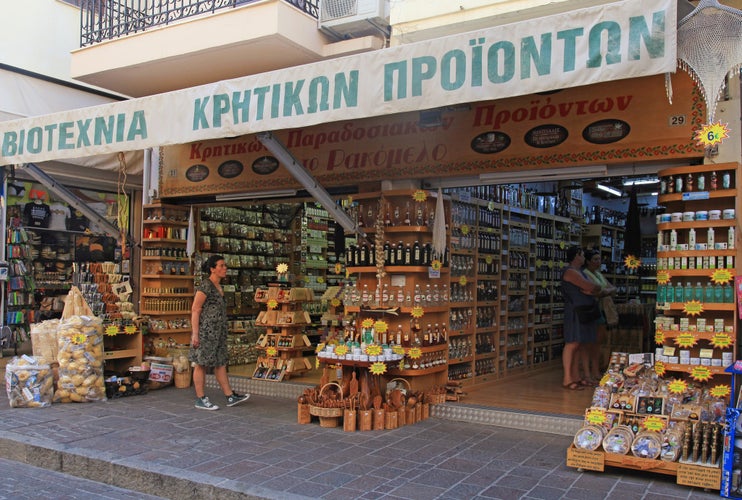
column 640, row 182
column 608, row 189
column 278, row 193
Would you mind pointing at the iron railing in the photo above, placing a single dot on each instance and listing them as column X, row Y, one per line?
column 102, row 20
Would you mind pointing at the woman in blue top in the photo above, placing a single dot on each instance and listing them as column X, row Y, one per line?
column 578, row 290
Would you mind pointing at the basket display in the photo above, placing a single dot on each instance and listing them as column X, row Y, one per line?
column 328, row 417
column 182, row 379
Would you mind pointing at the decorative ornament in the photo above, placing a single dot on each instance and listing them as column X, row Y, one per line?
column 417, row 312
column 677, row 386
column 721, row 340
column 377, row 368
column 700, row 373
column 381, row 326
column 320, row 279
column 414, row 353
column 632, row 262
column 373, row 349
column 272, row 304
column 712, row 134
column 487, row 259
column 721, row 391
column 367, row 323
column 338, row 268
column 462, row 281
column 659, row 368
column 112, row 330
column 659, row 336
column 685, row 340
column 693, row 308
column 335, row 302
column 271, row 351
column 721, row 276
column 130, row 329
column 436, row 265
column 320, row 347
column 420, row 195
column 464, row 229
column 400, row 367
column 654, row 423
column 316, row 363
column 79, row 338
column 595, row 416
column 341, row 350
column 491, row 206
column 663, row 277
column 282, row 268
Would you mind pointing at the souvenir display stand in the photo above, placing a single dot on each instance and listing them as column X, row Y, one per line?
column 283, row 345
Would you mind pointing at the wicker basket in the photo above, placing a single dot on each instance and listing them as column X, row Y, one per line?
column 328, row 417
column 182, row 379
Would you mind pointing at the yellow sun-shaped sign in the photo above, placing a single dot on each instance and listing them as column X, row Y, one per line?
column 659, row 368
column 464, row 229
column 398, row 350
column 701, row 373
column 654, row 423
column 381, row 326
column 463, row 281
column 378, row 368
column 721, row 391
column 341, row 350
column 414, row 353
column 79, row 338
column 659, row 336
column 420, row 195
column 272, row 304
column 400, row 366
column 693, row 308
column 367, row 323
column 373, row 349
column 338, row 268
column 417, row 312
column 282, row 268
column 130, row 329
column 112, row 330
column 436, row 265
column 677, row 386
column 320, row 347
column 632, row 262
column 721, row 276
column 712, row 134
column 595, row 416
column 335, row 302
column 271, row 351
column 721, row 340
column 663, row 277
column 685, row 340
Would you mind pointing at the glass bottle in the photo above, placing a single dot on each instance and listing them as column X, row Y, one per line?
column 689, row 182
column 701, row 182
column 708, row 293
column 726, row 180
column 713, row 184
column 718, row 293
column 728, row 293
column 698, row 292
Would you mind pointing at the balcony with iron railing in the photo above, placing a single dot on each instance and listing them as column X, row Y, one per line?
column 102, row 20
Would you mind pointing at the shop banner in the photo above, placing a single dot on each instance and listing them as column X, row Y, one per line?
column 620, row 40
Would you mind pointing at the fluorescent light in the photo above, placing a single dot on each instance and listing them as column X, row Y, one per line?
column 278, row 193
column 608, row 189
column 543, row 175
column 640, row 182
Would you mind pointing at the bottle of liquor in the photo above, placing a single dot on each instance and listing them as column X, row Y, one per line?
column 408, row 255
column 701, row 182
column 689, row 182
column 713, row 182
column 426, row 336
column 670, row 184
column 400, row 254
column 405, row 338
column 399, row 336
column 417, row 255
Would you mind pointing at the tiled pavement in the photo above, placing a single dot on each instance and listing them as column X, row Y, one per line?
column 160, row 445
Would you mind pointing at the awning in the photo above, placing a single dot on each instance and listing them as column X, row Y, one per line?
column 620, row 40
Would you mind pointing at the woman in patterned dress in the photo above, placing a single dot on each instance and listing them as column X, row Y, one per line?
column 209, row 337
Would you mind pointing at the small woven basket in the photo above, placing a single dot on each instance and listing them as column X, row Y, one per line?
column 328, row 417
column 182, row 379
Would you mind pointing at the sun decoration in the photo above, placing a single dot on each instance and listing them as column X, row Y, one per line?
column 112, row 330
column 420, row 195
column 463, row 281
column 130, row 329
column 712, row 134
column 338, row 268
column 721, row 341
column 417, row 312
column 721, row 276
column 381, row 326
column 341, row 350
column 693, row 308
column 398, row 350
column 632, row 262
column 271, row 351
column 79, row 338
column 659, row 368
column 320, row 347
column 701, row 373
column 367, row 323
column 414, row 353
column 272, row 304
column 659, row 336
column 282, row 268
column 595, row 416
column 335, row 302
column 400, row 366
column 654, row 423
column 721, row 391
column 377, row 368
column 663, row 277
column 373, row 349
column 436, row 265
column 677, row 386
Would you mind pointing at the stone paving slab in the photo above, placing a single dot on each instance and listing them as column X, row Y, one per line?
column 159, row 444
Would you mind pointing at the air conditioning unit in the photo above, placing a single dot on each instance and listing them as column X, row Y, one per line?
column 354, row 17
